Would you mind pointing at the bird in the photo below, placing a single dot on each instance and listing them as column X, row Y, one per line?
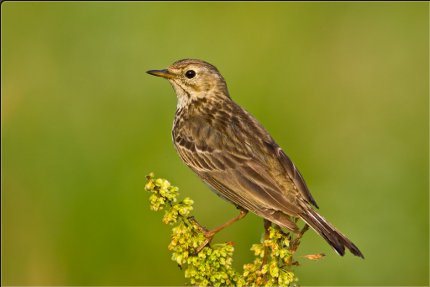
column 237, row 157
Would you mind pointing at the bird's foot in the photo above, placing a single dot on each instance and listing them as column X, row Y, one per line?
column 209, row 236
column 296, row 241
column 207, row 233
column 267, row 225
column 197, row 224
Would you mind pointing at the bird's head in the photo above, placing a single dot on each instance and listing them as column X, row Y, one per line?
column 193, row 79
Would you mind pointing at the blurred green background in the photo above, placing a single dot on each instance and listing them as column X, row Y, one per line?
column 342, row 87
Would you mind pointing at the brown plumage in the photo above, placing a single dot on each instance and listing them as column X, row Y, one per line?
column 232, row 152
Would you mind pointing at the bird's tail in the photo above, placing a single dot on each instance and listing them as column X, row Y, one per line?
column 336, row 239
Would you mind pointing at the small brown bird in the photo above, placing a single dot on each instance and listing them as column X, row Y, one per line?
column 232, row 153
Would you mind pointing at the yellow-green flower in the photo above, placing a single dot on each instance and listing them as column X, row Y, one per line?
column 213, row 264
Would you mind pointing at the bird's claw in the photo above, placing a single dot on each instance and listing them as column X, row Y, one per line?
column 206, row 242
column 207, row 233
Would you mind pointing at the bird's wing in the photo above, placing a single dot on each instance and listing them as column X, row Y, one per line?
column 292, row 172
column 226, row 158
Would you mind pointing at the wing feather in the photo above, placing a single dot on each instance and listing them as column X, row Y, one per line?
column 228, row 163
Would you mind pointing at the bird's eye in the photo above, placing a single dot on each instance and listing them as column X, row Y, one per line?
column 190, row 74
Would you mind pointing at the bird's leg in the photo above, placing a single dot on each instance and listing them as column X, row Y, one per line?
column 296, row 242
column 214, row 231
column 267, row 225
column 211, row 233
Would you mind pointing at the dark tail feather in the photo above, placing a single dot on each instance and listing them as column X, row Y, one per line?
column 336, row 239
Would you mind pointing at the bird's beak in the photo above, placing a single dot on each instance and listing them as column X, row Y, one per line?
column 161, row 73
